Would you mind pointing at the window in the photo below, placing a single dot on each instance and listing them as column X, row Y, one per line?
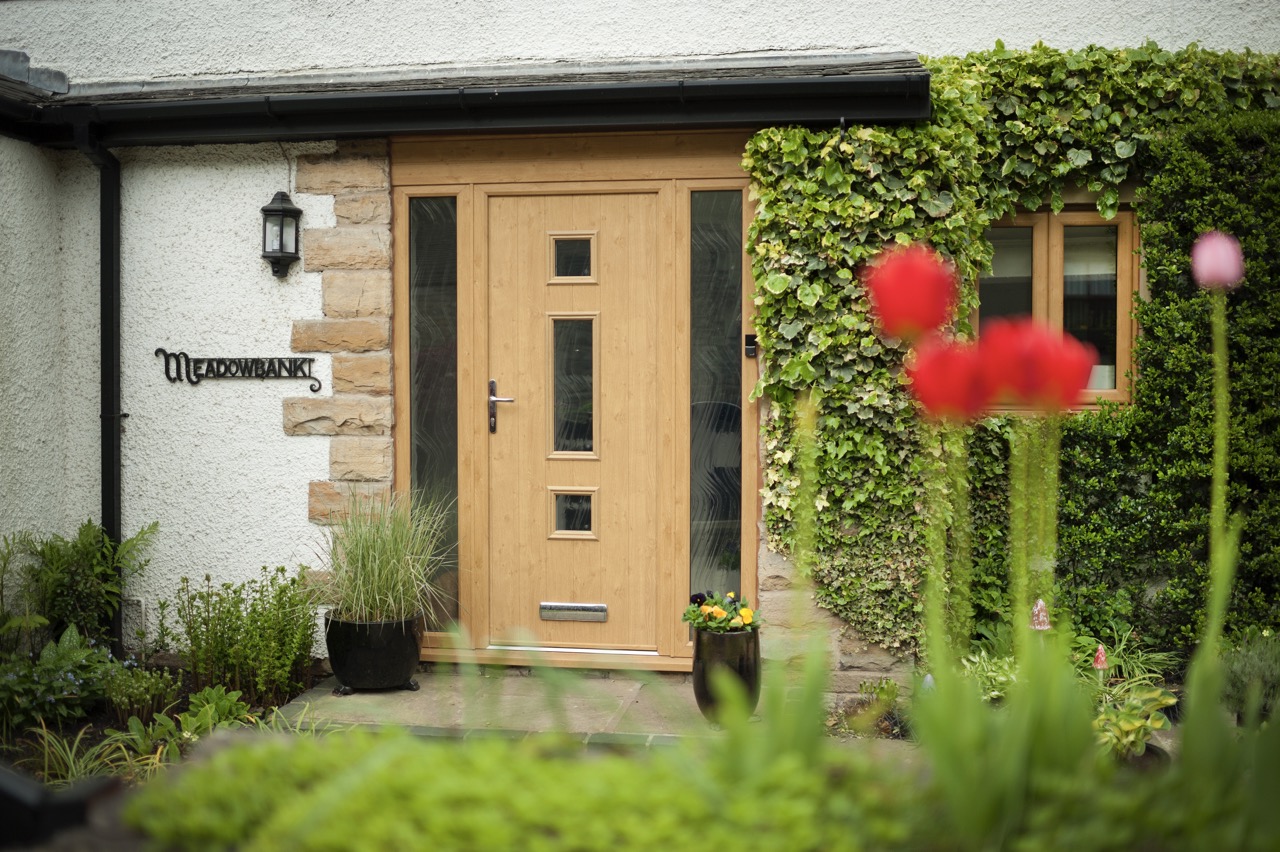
column 1075, row 272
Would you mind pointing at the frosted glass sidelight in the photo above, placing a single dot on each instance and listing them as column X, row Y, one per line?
column 574, row 428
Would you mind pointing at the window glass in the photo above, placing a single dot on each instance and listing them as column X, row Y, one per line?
column 573, row 512
column 433, row 370
column 573, row 258
column 715, row 458
column 1089, row 295
column 1006, row 290
column 574, row 385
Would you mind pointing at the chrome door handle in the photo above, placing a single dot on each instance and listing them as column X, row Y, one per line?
column 494, row 399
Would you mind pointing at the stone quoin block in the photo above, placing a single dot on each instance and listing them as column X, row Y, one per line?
column 326, row 174
column 364, row 373
column 365, row 334
column 366, row 459
column 347, row 247
column 356, row 292
column 328, row 502
column 345, row 414
column 362, row 208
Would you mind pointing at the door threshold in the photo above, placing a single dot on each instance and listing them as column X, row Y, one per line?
column 558, row 658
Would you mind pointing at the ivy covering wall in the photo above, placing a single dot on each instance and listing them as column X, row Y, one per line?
column 1010, row 129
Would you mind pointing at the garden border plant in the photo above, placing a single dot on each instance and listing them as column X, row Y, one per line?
column 1009, row 129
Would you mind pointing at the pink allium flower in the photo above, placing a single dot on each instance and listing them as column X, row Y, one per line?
column 1216, row 261
column 1039, row 616
column 912, row 290
column 946, row 379
column 1100, row 659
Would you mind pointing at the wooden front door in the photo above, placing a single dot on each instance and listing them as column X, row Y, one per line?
column 589, row 279
column 579, row 288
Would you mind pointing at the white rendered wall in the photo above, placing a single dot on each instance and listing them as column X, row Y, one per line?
column 49, row 471
column 96, row 40
column 211, row 462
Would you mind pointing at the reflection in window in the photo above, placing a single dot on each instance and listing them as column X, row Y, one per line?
column 715, row 391
column 1006, row 290
column 573, row 258
column 573, row 513
column 433, row 369
column 573, row 429
column 1089, row 295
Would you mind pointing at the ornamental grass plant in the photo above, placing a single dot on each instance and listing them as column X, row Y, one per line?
column 385, row 557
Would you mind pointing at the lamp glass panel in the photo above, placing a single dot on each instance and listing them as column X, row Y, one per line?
column 271, row 233
column 289, row 232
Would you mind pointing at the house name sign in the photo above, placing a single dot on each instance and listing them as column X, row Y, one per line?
column 180, row 365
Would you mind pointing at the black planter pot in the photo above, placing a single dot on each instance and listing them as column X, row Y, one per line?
column 373, row 655
column 738, row 652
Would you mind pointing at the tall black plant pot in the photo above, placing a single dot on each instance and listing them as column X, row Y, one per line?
column 738, row 652
column 373, row 654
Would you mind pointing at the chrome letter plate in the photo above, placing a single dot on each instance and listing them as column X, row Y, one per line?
column 573, row 611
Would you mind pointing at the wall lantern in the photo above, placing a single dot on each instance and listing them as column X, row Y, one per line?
column 280, row 233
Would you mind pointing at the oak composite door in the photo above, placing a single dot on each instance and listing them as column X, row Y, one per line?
column 580, row 285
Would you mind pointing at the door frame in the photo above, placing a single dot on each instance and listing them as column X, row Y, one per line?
column 467, row 167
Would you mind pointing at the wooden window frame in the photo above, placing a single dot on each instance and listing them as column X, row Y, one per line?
column 1047, row 296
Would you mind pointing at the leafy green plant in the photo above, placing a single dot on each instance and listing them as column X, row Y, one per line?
column 1125, row 728
column 384, row 557
column 80, row 580
column 19, row 624
column 255, row 636
column 1129, row 657
column 720, row 613
column 1253, row 676
column 132, row 690
column 994, row 675
column 59, row 686
column 63, row 760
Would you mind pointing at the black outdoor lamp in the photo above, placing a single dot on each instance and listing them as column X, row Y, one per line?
column 280, row 233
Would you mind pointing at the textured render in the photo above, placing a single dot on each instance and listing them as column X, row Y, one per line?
column 93, row 41
column 211, row 462
column 48, row 390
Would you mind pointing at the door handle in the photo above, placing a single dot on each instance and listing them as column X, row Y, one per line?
column 494, row 399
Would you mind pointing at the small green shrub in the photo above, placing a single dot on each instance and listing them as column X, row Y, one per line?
column 132, row 690
column 80, row 580
column 994, row 675
column 1253, row 674
column 58, row 687
column 1125, row 727
column 254, row 637
column 63, row 760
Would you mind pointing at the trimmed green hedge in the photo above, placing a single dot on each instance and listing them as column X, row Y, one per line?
column 1136, row 483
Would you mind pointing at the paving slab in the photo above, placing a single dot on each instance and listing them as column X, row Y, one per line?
column 540, row 702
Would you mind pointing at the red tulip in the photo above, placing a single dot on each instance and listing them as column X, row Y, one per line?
column 946, row 379
column 1024, row 363
column 1039, row 615
column 1100, row 659
column 1216, row 261
column 912, row 290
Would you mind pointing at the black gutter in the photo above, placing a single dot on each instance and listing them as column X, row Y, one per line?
column 865, row 98
column 111, row 417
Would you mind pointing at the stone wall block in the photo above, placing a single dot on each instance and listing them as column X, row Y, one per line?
column 346, row 247
column 357, row 292
column 378, row 149
column 328, row 502
column 365, row 373
column 364, row 334
column 345, row 414
column 366, row 459
column 362, row 208
column 326, row 174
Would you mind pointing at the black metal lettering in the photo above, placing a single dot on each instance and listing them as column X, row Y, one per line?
column 179, row 366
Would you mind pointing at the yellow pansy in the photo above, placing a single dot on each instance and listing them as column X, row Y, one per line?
column 704, row 609
column 737, row 622
column 746, row 615
column 718, row 613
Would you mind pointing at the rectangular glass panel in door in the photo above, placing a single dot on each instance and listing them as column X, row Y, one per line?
column 1089, row 295
column 715, row 391
column 574, row 386
column 1006, row 290
column 433, row 371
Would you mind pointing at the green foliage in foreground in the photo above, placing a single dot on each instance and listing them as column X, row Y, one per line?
column 1025, row 776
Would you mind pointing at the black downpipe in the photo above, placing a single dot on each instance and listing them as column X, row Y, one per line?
column 111, row 417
